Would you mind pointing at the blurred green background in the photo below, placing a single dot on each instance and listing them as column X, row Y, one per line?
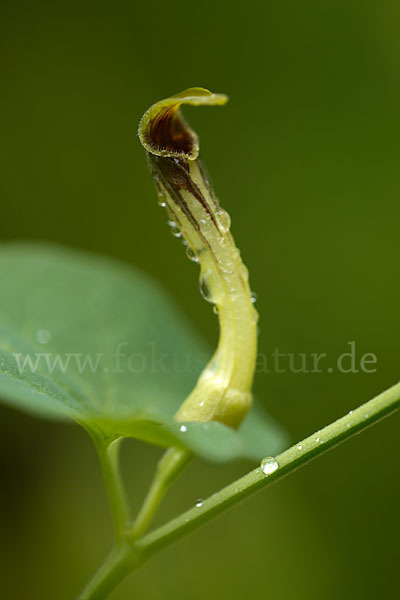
column 305, row 158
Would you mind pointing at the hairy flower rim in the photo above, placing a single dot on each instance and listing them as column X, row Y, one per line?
column 164, row 132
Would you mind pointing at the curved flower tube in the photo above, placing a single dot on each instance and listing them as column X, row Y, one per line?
column 223, row 391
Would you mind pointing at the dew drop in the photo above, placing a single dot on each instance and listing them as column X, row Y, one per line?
column 204, row 289
column 299, row 447
column 253, row 297
column 227, row 271
column 244, row 272
column 43, row 336
column 269, row 465
column 191, row 254
column 161, row 199
column 183, row 428
column 199, row 503
column 176, row 232
column 224, row 220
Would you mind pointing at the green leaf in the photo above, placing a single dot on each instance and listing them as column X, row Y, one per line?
column 91, row 339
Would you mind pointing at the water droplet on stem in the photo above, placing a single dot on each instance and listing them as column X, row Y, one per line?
column 269, row 465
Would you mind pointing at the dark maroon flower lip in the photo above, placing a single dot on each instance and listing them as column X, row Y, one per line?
column 164, row 132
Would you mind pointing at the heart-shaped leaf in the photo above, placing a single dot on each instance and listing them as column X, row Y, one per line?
column 91, row 339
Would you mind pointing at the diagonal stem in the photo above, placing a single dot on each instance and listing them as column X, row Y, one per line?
column 130, row 554
column 119, row 564
column 255, row 481
column 169, row 468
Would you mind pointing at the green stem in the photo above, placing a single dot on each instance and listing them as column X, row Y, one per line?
column 290, row 460
column 169, row 468
column 120, row 563
column 123, row 561
column 109, row 460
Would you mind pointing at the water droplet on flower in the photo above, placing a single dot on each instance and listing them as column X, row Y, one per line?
column 299, row 447
column 191, row 254
column 269, row 465
column 199, row 503
column 43, row 336
column 253, row 297
column 224, row 220
column 244, row 272
column 182, row 428
column 204, row 289
column 176, row 232
column 161, row 199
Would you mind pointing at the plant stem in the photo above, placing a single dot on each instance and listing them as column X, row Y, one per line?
column 256, row 480
column 169, row 468
column 109, row 459
column 131, row 553
column 118, row 565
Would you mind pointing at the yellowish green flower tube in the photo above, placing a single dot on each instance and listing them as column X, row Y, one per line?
column 223, row 391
